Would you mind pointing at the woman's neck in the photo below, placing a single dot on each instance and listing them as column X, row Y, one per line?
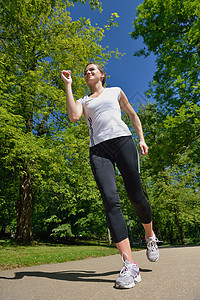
column 96, row 90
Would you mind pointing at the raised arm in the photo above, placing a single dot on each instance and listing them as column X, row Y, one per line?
column 74, row 109
column 127, row 108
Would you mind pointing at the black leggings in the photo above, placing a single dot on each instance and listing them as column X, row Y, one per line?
column 123, row 152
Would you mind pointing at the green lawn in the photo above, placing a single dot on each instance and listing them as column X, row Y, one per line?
column 14, row 256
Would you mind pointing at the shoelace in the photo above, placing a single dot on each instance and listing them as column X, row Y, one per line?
column 128, row 271
column 127, row 268
column 124, row 271
column 152, row 244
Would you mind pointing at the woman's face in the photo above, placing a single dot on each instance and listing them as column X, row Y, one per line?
column 93, row 74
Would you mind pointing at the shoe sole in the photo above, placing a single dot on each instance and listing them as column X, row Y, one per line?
column 136, row 280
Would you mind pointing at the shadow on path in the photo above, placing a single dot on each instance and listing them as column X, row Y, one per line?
column 87, row 276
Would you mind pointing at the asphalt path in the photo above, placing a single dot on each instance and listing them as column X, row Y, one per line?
column 175, row 276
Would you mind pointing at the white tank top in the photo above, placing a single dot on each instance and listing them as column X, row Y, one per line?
column 103, row 116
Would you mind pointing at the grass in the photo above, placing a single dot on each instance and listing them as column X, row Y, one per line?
column 15, row 256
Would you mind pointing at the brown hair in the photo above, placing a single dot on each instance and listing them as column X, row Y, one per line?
column 100, row 69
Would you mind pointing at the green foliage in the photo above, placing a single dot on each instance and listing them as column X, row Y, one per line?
column 62, row 231
column 168, row 136
column 170, row 29
column 38, row 40
column 176, row 200
column 171, row 170
column 111, row 21
column 93, row 3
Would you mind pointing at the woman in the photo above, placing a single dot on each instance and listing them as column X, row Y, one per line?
column 111, row 143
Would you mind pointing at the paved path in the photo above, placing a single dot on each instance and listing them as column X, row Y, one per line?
column 175, row 276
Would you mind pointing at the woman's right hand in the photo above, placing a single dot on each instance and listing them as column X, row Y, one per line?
column 66, row 76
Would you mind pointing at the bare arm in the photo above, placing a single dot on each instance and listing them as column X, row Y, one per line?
column 127, row 108
column 74, row 109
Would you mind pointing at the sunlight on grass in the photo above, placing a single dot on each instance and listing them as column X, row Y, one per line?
column 13, row 256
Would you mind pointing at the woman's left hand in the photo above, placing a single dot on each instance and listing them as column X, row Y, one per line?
column 143, row 147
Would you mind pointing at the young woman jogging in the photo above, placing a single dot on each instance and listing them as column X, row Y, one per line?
column 111, row 143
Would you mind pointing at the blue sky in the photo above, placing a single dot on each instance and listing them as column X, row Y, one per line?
column 132, row 74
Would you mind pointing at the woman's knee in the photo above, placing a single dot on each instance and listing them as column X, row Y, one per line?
column 111, row 200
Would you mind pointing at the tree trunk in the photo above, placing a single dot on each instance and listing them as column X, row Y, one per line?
column 198, row 226
column 180, row 227
column 171, row 237
column 109, row 237
column 24, row 209
column 3, row 231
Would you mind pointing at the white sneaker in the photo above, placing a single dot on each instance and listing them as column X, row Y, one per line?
column 128, row 276
column 152, row 248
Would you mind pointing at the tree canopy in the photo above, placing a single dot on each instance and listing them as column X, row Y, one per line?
column 170, row 30
column 45, row 177
column 39, row 146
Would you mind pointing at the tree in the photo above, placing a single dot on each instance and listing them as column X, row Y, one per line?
column 175, row 201
column 170, row 175
column 37, row 40
column 170, row 29
column 169, row 136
